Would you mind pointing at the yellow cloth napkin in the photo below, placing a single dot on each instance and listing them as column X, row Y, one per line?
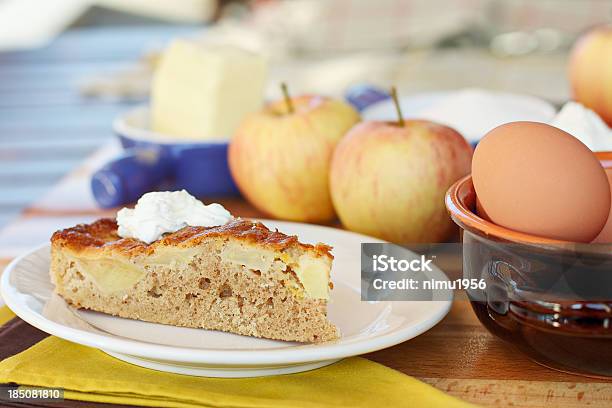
column 90, row 375
column 6, row 314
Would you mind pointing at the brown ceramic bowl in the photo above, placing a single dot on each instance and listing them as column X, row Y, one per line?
column 552, row 299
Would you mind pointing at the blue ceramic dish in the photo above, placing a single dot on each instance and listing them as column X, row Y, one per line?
column 153, row 161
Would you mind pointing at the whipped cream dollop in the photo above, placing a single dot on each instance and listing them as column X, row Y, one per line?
column 157, row 213
column 585, row 125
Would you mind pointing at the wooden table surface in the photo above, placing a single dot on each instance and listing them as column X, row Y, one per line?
column 46, row 128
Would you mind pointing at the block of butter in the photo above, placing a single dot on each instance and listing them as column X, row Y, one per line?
column 202, row 92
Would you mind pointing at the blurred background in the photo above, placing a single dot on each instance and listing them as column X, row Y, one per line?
column 69, row 67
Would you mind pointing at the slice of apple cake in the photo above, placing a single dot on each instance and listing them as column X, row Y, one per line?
column 239, row 277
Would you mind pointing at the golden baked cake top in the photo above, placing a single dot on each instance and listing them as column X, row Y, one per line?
column 103, row 234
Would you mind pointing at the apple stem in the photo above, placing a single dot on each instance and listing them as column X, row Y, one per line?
column 287, row 98
column 398, row 109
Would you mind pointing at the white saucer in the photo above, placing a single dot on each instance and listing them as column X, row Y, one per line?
column 365, row 326
column 462, row 110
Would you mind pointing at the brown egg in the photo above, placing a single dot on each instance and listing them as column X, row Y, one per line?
column 537, row 179
column 605, row 236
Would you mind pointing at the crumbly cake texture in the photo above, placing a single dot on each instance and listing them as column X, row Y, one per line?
column 239, row 278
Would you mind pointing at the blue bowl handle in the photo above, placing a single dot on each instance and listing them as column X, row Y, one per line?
column 126, row 178
column 363, row 95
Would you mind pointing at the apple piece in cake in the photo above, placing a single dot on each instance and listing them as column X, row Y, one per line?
column 239, row 277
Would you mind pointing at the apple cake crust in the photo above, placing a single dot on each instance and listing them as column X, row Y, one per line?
column 239, row 278
column 102, row 235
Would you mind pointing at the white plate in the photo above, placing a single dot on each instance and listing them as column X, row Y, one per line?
column 468, row 119
column 365, row 326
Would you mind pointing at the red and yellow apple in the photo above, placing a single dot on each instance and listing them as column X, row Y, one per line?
column 590, row 71
column 280, row 156
column 389, row 179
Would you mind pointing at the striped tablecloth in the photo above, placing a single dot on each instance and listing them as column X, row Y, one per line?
column 67, row 203
column 47, row 127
